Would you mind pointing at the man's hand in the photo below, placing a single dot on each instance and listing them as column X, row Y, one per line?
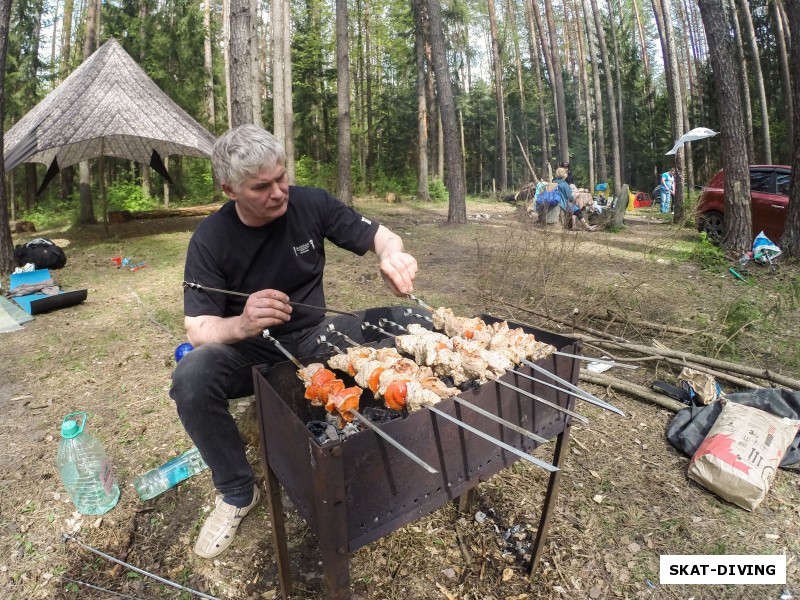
column 398, row 268
column 263, row 309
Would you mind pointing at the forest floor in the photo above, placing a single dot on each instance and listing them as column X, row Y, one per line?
column 624, row 498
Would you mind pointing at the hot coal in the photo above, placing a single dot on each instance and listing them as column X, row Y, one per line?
column 381, row 415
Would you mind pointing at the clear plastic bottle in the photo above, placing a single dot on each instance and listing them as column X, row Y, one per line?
column 85, row 469
column 159, row 480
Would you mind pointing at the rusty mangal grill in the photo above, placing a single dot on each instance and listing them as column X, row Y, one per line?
column 355, row 491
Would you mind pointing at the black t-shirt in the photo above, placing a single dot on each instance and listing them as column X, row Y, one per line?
column 287, row 254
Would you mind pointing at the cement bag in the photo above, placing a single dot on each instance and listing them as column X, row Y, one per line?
column 738, row 458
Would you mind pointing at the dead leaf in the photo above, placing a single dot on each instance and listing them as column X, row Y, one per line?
column 594, row 474
column 634, row 547
column 508, row 574
column 444, row 591
column 598, row 498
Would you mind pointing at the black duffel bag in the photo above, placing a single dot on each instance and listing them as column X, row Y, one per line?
column 43, row 253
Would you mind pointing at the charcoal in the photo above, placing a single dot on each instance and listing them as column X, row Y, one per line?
column 381, row 415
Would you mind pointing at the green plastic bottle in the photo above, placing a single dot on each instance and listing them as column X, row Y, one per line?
column 85, row 469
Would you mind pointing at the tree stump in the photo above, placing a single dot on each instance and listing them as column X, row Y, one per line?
column 392, row 198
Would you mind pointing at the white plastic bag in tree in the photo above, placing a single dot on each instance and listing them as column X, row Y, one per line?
column 741, row 453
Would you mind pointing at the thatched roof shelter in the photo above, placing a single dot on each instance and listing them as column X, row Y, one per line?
column 108, row 106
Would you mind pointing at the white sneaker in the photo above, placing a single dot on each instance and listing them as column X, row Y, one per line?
column 220, row 527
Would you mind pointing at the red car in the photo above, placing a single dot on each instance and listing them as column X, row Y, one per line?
column 769, row 194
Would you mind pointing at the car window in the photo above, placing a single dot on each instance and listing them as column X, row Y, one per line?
column 783, row 180
column 760, row 181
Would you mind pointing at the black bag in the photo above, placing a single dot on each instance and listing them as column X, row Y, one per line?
column 43, row 253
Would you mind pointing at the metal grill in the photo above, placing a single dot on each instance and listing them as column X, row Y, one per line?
column 355, row 491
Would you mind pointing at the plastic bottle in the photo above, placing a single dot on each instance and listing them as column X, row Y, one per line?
column 85, row 469
column 159, row 480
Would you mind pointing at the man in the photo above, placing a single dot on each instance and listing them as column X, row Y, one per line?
column 667, row 189
column 268, row 242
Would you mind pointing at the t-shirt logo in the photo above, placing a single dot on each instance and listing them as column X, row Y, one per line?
column 366, row 220
column 303, row 248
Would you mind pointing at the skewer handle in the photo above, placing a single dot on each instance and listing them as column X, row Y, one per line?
column 420, row 302
column 323, row 341
column 265, row 334
column 362, row 419
column 409, row 312
column 366, row 325
column 332, row 328
column 383, row 322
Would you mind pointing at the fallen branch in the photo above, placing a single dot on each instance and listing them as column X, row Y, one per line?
column 594, row 332
column 723, row 365
column 637, row 391
column 717, row 374
column 611, row 315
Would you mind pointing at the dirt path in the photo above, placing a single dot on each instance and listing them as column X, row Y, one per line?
column 625, row 499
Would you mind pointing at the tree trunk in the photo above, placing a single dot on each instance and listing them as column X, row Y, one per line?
column 7, row 262
column 288, row 111
column 86, row 215
column 718, row 23
column 786, row 80
column 745, row 78
column 370, row 154
column 558, row 79
column 66, row 40
column 587, row 97
column 226, row 55
column 673, row 92
column 511, row 17
column 602, row 165
column 502, row 167
column 344, row 181
column 423, row 192
column 241, row 74
column 255, row 73
column 537, row 70
column 612, row 101
column 208, row 65
column 679, row 122
column 624, row 175
column 457, row 211
column 548, row 63
column 749, row 35
column 790, row 242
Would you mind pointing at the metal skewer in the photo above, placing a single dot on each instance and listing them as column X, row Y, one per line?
column 602, row 361
column 503, row 445
column 566, row 411
column 466, row 403
column 541, row 400
column 384, row 321
column 332, row 328
column 323, row 341
column 578, row 391
column 361, row 418
column 420, row 302
column 197, row 286
column 409, row 312
column 499, row 420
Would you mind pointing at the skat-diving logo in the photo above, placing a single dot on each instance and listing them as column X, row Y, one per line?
column 303, row 248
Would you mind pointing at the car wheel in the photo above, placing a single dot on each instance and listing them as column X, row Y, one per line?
column 712, row 224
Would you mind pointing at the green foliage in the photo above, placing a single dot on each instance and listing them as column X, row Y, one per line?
column 52, row 212
column 707, row 255
column 314, row 173
column 741, row 314
column 438, row 190
column 126, row 194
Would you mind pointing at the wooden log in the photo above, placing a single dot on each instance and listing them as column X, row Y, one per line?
column 632, row 389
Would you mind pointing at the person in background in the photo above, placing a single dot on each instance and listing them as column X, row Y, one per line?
column 568, row 178
column 268, row 243
column 667, row 189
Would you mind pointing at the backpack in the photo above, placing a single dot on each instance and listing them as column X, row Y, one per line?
column 549, row 196
column 43, row 253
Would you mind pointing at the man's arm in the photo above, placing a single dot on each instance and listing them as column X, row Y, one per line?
column 398, row 268
column 263, row 309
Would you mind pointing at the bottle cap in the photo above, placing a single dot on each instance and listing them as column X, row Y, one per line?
column 70, row 427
